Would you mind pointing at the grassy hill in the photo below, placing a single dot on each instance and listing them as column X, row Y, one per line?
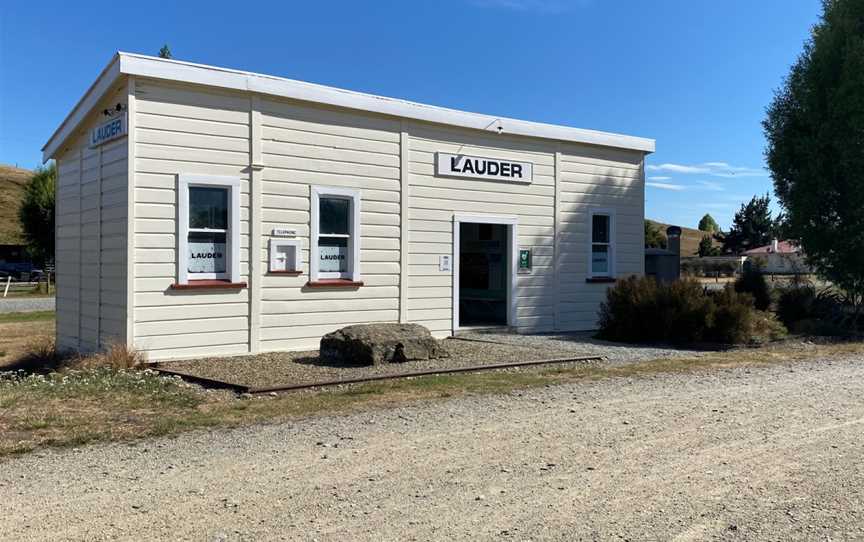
column 690, row 238
column 12, row 181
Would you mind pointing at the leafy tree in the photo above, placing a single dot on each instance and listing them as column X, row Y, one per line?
column 709, row 224
column 654, row 236
column 707, row 248
column 165, row 52
column 814, row 128
column 752, row 226
column 37, row 213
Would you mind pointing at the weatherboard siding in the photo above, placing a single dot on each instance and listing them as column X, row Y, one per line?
column 182, row 129
column 303, row 146
column 599, row 178
column 186, row 129
column 434, row 201
column 91, row 218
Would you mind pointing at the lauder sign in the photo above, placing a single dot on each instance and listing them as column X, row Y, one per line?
column 476, row 167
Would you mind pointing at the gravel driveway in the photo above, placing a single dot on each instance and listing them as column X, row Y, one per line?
column 740, row 454
column 26, row 304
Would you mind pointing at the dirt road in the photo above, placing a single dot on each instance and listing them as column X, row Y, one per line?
column 767, row 454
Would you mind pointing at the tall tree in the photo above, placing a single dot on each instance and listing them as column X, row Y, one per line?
column 815, row 128
column 707, row 248
column 37, row 213
column 165, row 52
column 654, row 236
column 752, row 226
column 709, row 224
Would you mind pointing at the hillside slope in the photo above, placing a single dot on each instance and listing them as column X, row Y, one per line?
column 12, row 181
column 690, row 238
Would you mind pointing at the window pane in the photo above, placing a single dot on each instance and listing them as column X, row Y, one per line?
column 600, row 229
column 206, row 252
column 599, row 259
column 208, row 208
column 334, row 214
column 333, row 255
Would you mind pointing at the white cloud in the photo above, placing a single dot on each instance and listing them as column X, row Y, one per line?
column 536, row 6
column 678, row 168
column 659, row 178
column 667, row 186
column 712, row 186
column 715, row 169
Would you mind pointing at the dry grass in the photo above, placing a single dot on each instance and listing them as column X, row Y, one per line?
column 73, row 407
column 690, row 239
column 21, row 337
column 12, row 181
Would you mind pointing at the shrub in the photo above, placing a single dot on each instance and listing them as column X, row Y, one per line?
column 752, row 282
column 796, row 303
column 642, row 310
column 682, row 311
column 626, row 313
column 733, row 317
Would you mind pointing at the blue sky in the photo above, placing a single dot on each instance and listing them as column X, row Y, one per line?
column 694, row 75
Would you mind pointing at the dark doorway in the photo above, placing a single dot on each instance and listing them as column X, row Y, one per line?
column 483, row 254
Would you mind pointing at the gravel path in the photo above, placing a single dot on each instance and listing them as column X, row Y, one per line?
column 740, row 454
column 26, row 304
column 284, row 368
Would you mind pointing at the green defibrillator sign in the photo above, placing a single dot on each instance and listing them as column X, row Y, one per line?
column 524, row 260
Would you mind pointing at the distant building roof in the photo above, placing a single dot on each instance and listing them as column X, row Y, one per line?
column 780, row 247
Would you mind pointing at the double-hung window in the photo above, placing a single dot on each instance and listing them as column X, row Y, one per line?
column 209, row 228
column 335, row 234
column 602, row 255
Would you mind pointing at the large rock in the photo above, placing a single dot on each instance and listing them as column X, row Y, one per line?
column 373, row 344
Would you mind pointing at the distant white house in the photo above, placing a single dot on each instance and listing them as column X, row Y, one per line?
column 779, row 258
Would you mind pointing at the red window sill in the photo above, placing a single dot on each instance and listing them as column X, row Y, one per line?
column 286, row 273
column 334, row 283
column 600, row 279
column 209, row 285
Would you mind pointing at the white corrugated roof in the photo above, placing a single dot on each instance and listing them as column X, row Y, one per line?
column 188, row 72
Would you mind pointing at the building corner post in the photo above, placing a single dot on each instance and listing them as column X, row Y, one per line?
column 131, row 108
column 404, row 226
column 256, row 272
column 556, row 240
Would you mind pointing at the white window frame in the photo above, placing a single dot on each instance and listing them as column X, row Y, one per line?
column 232, row 238
column 353, row 272
column 611, row 244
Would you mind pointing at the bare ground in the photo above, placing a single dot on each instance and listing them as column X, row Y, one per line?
column 770, row 453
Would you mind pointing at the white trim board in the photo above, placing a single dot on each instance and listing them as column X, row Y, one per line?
column 513, row 241
column 201, row 74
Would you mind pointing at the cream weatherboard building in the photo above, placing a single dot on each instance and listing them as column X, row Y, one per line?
column 208, row 211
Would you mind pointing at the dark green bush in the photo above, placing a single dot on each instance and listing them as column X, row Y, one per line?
column 682, row 311
column 795, row 304
column 753, row 282
column 733, row 317
column 641, row 310
column 805, row 310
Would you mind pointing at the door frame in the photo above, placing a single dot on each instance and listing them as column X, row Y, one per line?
column 512, row 223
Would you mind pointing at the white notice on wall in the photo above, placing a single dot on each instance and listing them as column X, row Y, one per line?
column 444, row 263
column 334, row 259
column 206, row 257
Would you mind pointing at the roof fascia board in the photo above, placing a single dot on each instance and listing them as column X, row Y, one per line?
column 245, row 81
column 187, row 72
column 87, row 102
